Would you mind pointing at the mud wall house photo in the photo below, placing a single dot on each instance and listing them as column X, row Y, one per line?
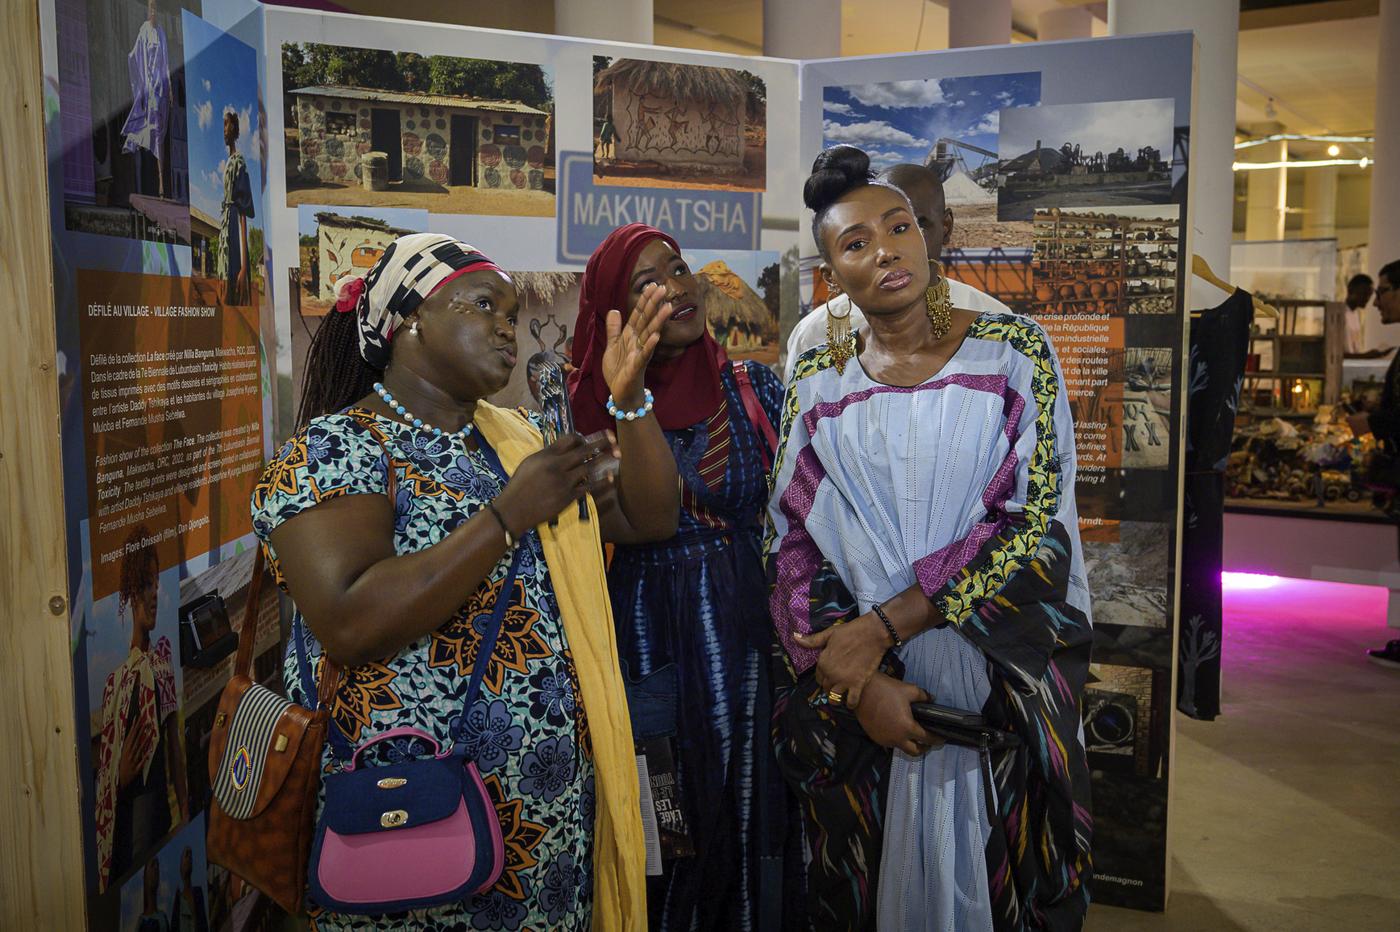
column 375, row 128
column 682, row 125
column 348, row 246
column 433, row 138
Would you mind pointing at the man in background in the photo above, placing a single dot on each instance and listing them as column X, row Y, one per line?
column 1384, row 421
column 1359, row 291
column 924, row 189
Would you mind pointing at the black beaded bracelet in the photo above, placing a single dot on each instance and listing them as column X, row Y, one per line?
column 879, row 611
column 510, row 538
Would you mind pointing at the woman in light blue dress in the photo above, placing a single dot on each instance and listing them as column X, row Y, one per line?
column 924, row 545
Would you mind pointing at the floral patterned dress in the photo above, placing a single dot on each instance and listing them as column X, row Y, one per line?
column 527, row 730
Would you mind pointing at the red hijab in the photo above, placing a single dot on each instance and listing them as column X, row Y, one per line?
column 686, row 387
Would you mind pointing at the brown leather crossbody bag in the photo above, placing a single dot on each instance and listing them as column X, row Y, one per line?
column 265, row 768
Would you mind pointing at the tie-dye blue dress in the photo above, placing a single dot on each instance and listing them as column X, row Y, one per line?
column 698, row 604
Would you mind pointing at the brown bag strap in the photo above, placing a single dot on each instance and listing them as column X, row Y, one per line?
column 248, row 634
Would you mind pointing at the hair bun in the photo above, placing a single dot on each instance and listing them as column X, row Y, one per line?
column 836, row 171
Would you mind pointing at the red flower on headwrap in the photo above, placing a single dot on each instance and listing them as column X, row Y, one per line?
column 347, row 294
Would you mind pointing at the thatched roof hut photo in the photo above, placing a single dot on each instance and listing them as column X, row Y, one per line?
column 738, row 317
column 680, row 116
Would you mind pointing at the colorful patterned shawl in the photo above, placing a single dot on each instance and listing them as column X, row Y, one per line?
column 963, row 484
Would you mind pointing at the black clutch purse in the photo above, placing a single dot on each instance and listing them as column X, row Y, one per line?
column 968, row 729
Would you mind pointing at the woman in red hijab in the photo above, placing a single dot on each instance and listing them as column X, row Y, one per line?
column 692, row 612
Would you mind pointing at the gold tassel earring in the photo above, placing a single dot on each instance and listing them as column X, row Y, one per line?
column 839, row 339
column 939, row 301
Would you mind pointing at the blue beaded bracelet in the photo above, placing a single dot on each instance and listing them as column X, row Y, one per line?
column 641, row 412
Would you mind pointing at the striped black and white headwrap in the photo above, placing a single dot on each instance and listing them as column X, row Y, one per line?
column 412, row 268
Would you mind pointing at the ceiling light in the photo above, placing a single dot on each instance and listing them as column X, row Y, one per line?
column 1311, row 137
column 1269, row 110
column 1301, row 163
column 1334, row 150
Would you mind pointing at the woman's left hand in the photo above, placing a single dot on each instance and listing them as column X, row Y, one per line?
column 630, row 346
column 850, row 655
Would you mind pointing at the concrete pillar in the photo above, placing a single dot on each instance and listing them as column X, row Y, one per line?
column 801, row 28
column 1319, row 202
column 1217, row 27
column 1072, row 22
column 978, row 22
column 1385, row 173
column 620, row 20
column 1268, row 192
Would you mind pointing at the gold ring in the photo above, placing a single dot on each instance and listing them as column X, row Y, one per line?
column 835, row 698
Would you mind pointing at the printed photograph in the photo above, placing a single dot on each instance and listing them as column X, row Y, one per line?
column 170, row 892
column 1147, row 380
column 375, row 128
column 661, row 124
column 1102, row 154
column 740, row 293
column 1128, row 576
column 122, row 117
column 948, row 124
column 337, row 242
column 129, row 642
column 544, row 333
column 1003, row 273
column 226, row 165
column 1089, row 261
column 1117, row 709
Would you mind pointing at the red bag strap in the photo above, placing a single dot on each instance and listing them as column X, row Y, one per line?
column 757, row 416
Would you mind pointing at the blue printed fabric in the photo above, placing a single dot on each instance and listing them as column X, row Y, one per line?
column 527, row 730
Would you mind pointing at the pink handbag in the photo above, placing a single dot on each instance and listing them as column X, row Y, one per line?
column 412, row 834
column 418, row 833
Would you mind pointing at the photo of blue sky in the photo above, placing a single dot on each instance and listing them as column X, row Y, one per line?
column 221, row 74
column 900, row 121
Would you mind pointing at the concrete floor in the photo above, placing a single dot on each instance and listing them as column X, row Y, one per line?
column 1285, row 811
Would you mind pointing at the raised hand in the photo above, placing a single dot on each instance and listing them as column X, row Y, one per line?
column 630, row 346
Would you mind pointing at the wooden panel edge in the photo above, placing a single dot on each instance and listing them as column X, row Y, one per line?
column 41, row 874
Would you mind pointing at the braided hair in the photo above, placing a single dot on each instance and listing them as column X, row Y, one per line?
column 336, row 375
column 140, row 566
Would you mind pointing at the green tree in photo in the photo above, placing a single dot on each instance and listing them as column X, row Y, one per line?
column 768, row 286
column 492, row 80
column 309, row 64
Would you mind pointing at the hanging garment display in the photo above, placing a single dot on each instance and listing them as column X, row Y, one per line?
column 1219, row 344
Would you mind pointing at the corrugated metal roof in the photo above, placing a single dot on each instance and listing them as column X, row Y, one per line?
column 423, row 100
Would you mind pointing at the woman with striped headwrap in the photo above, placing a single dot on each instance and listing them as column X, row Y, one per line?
column 394, row 591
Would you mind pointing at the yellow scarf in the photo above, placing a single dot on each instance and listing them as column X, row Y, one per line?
column 573, row 550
